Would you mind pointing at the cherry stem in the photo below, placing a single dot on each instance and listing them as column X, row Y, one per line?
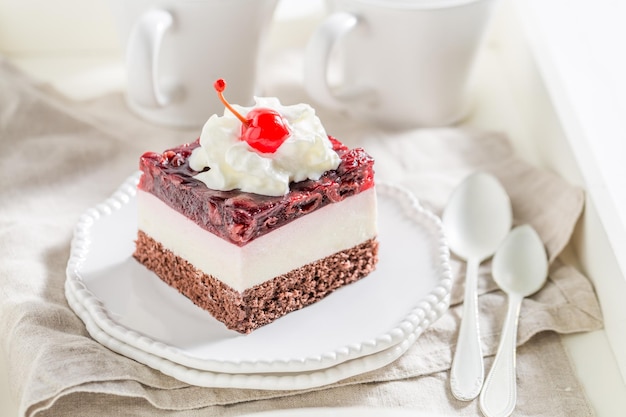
column 220, row 86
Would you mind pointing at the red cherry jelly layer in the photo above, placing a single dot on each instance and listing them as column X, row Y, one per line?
column 240, row 217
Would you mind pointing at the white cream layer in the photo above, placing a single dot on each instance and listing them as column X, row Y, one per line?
column 331, row 229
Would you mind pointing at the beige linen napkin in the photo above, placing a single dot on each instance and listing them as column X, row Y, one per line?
column 60, row 158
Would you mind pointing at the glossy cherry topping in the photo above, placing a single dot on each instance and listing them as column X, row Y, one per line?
column 263, row 129
column 240, row 217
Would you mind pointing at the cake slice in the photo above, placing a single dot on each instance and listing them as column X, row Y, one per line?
column 250, row 235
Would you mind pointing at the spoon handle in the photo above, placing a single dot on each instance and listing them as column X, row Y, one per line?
column 499, row 394
column 467, row 372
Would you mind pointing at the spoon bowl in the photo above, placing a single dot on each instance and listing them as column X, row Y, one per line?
column 475, row 221
column 520, row 268
column 477, row 217
column 520, row 265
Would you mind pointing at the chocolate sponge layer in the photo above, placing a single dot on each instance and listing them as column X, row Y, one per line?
column 266, row 302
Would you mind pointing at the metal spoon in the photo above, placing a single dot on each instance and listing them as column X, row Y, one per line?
column 520, row 268
column 476, row 219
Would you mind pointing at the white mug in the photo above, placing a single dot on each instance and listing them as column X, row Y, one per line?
column 176, row 49
column 399, row 63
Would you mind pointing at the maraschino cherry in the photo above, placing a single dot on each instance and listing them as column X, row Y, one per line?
column 264, row 129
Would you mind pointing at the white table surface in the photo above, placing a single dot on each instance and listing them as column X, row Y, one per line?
column 510, row 96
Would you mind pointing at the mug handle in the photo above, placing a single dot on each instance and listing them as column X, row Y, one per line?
column 142, row 58
column 317, row 60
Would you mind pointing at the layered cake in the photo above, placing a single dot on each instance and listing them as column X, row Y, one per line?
column 262, row 215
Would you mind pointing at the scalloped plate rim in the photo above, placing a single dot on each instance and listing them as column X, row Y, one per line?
column 281, row 381
column 432, row 305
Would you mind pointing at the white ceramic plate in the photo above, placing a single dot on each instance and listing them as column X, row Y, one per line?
column 345, row 412
column 269, row 381
column 410, row 287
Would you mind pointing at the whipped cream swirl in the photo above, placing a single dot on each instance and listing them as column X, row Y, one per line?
column 306, row 154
